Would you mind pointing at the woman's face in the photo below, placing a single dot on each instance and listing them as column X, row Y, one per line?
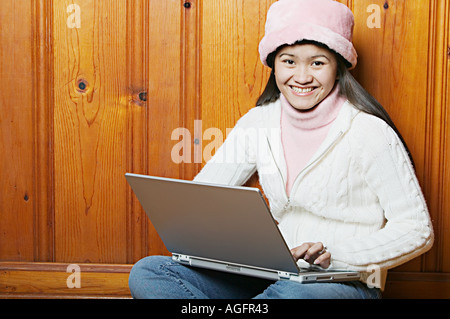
column 305, row 74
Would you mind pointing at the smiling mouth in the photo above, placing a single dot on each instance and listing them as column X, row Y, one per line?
column 302, row 91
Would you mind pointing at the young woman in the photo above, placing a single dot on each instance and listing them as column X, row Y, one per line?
column 338, row 176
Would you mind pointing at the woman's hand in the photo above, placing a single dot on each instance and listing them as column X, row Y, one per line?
column 313, row 253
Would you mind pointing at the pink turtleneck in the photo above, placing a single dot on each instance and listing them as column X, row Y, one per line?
column 303, row 132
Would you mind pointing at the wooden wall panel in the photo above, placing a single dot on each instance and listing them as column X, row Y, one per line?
column 90, row 121
column 232, row 75
column 437, row 134
column 17, row 169
column 136, row 139
column 444, row 226
column 393, row 59
column 49, row 280
column 190, row 83
column 164, row 69
column 42, row 56
column 165, row 113
column 137, row 153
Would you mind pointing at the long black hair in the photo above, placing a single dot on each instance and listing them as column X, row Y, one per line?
column 348, row 87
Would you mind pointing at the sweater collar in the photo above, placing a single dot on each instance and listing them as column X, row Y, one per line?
column 322, row 115
column 338, row 128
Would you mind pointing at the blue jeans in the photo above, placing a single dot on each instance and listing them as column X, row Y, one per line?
column 159, row 277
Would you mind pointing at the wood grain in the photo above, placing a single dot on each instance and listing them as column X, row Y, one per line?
column 445, row 181
column 42, row 56
column 165, row 101
column 17, row 122
column 390, row 66
column 49, row 280
column 137, row 147
column 232, row 75
column 437, row 152
column 89, row 125
column 393, row 59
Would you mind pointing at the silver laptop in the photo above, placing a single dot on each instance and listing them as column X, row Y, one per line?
column 224, row 228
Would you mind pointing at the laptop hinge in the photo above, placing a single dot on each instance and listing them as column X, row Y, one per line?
column 284, row 275
column 182, row 258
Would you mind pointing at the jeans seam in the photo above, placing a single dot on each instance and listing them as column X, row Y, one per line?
column 365, row 292
column 164, row 267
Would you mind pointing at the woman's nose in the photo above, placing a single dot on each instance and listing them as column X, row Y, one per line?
column 302, row 76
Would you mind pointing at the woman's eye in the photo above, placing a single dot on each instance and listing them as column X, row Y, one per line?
column 290, row 62
column 317, row 63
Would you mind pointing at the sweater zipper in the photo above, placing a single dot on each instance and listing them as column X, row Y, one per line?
column 288, row 202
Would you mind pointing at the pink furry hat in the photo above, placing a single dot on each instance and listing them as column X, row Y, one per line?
column 325, row 21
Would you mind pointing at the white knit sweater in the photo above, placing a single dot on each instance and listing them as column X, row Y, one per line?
column 358, row 194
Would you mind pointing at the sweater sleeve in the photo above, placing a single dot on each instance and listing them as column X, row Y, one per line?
column 407, row 231
column 234, row 161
